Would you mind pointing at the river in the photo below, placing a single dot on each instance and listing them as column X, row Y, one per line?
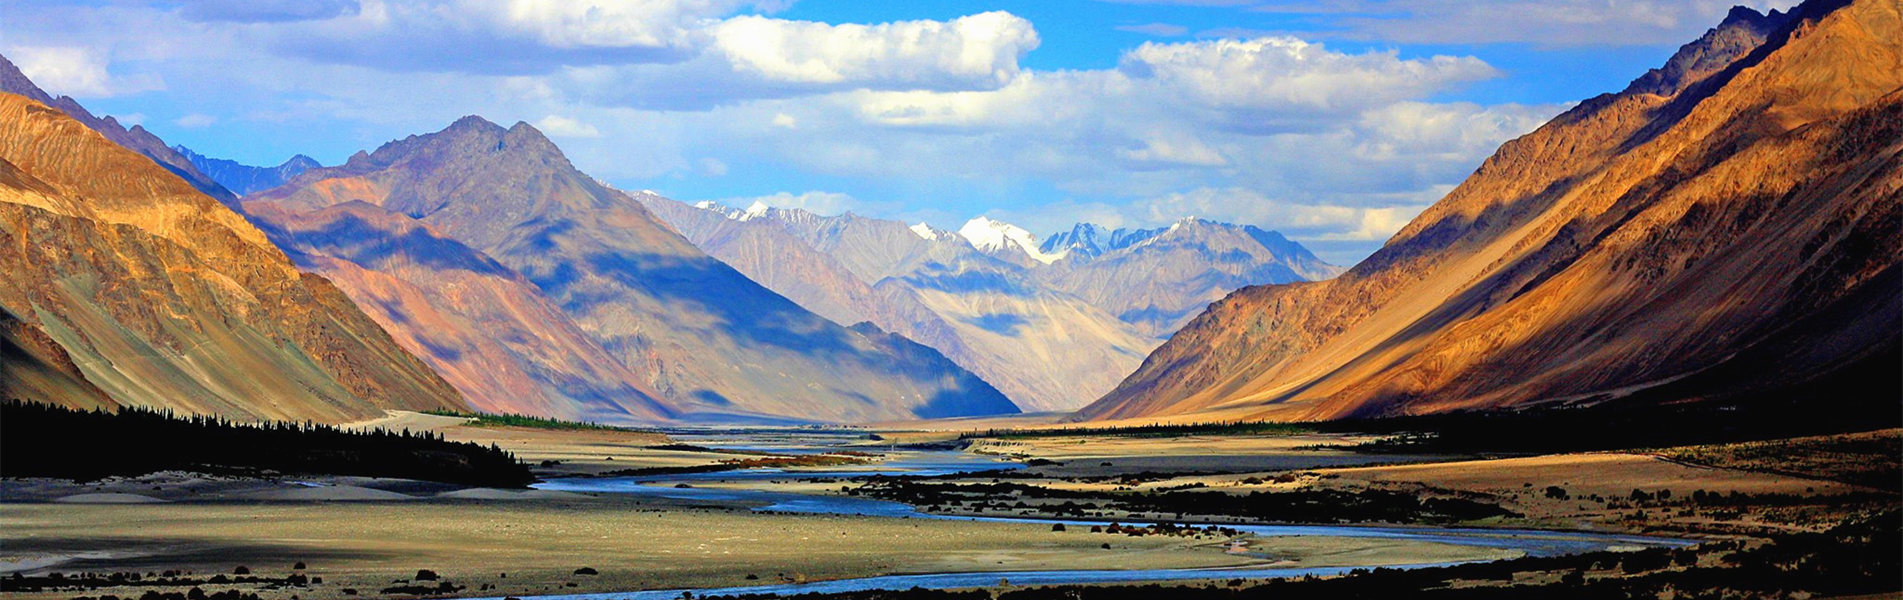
column 942, row 462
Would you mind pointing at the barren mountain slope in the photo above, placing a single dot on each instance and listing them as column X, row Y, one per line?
column 697, row 332
column 1744, row 197
column 485, row 328
column 137, row 139
column 125, row 277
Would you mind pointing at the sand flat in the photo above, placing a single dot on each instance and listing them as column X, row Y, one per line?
column 540, row 544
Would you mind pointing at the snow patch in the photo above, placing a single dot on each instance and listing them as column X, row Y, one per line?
column 997, row 236
column 757, row 210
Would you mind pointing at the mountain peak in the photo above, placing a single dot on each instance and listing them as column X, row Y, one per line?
column 994, row 237
column 301, row 163
column 1742, row 31
column 931, row 233
column 473, row 123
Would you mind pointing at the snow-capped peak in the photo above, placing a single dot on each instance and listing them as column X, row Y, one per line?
column 928, row 232
column 756, row 210
column 997, row 236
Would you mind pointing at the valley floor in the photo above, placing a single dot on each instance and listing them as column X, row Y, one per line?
column 361, row 536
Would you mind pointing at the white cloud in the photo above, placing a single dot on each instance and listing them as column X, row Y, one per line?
column 195, row 121
column 1544, row 22
column 564, row 127
column 976, row 51
column 75, row 71
column 1287, row 73
column 916, row 119
column 817, row 202
column 1177, row 150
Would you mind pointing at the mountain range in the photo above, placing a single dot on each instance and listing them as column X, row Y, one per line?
column 535, row 288
column 1052, row 328
column 1726, row 229
column 244, row 179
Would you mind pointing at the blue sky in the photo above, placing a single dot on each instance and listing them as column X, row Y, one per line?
column 1334, row 121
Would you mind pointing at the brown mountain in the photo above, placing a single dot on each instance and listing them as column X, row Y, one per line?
column 708, row 341
column 1729, row 225
column 128, row 287
column 137, row 139
column 483, row 327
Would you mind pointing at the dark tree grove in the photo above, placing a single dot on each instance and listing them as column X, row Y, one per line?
column 39, row 440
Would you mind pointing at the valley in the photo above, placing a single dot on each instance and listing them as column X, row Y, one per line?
column 908, row 315
column 986, row 510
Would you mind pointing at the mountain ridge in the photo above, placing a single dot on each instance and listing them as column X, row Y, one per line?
column 697, row 333
column 130, row 287
column 1538, row 279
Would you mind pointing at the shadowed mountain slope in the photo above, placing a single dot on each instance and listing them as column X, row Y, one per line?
column 704, row 338
column 1737, row 211
column 243, row 179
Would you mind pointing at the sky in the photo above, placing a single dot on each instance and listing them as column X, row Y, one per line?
column 1332, row 121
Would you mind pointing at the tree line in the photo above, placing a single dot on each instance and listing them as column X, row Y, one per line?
column 41, row 440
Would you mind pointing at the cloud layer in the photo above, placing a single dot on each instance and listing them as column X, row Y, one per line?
column 935, row 119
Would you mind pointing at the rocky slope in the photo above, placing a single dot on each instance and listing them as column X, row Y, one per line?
column 1158, row 279
column 708, row 341
column 128, row 287
column 1045, row 349
column 1735, row 212
column 485, row 328
column 243, row 179
column 137, row 139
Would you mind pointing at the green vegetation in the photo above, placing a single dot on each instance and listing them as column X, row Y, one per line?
column 512, row 420
column 39, row 440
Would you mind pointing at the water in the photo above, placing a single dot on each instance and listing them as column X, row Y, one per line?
column 1530, row 542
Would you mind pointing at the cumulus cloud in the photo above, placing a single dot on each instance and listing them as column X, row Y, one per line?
column 1287, row 73
column 976, row 51
column 564, row 127
column 76, row 71
column 515, row 36
column 1545, row 22
column 937, row 119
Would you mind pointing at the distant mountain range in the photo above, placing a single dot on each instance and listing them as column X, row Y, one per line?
column 245, row 179
column 535, row 288
column 128, row 286
column 1053, row 328
column 1728, row 230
